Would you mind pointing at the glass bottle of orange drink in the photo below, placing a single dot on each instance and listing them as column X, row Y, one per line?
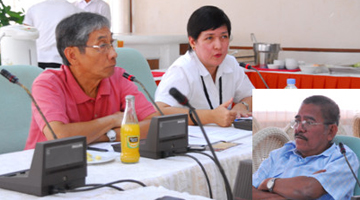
column 130, row 133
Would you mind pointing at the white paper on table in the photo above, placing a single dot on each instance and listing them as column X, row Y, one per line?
column 105, row 145
column 215, row 134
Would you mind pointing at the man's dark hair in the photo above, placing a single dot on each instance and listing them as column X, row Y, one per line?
column 329, row 109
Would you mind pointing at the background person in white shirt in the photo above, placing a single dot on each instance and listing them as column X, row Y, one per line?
column 95, row 6
column 210, row 78
column 45, row 16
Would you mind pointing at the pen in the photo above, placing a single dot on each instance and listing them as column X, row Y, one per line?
column 97, row 149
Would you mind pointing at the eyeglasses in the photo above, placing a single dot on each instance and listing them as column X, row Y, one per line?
column 102, row 48
column 306, row 124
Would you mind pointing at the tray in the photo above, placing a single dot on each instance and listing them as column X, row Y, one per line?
column 337, row 69
column 277, row 70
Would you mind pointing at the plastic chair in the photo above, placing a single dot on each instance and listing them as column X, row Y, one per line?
column 341, row 130
column 265, row 141
column 354, row 144
column 255, row 125
column 289, row 131
column 243, row 182
column 356, row 125
column 135, row 64
column 15, row 109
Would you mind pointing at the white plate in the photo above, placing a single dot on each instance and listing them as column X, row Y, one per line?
column 105, row 157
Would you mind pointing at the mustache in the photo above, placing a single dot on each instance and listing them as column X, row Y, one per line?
column 298, row 135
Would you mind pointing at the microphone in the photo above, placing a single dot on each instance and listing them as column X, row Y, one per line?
column 343, row 152
column 8, row 76
column 181, row 99
column 342, row 148
column 247, row 66
column 129, row 77
column 15, row 80
column 132, row 78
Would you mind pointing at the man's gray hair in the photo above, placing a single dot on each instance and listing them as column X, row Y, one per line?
column 75, row 30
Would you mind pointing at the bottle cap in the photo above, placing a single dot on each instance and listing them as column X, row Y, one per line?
column 290, row 81
column 129, row 97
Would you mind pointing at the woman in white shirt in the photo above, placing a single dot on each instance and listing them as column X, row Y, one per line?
column 211, row 79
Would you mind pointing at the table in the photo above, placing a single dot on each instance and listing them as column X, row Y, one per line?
column 177, row 174
column 304, row 81
column 141, row 193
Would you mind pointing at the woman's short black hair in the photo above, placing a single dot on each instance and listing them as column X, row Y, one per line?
column 205, row 18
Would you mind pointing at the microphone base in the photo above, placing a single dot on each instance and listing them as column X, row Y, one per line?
column 167, row 135
column 355, row 197
column 57, row 165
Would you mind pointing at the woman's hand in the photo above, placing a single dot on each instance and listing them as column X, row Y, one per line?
column 223, row 116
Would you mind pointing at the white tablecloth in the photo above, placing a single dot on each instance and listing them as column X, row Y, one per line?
column 179, row 173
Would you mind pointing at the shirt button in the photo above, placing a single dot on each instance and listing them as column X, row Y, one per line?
column 95, row 116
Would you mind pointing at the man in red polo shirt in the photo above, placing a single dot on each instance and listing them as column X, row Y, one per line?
column 87, row 95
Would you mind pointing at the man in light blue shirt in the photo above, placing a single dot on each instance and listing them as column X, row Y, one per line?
column 311, row 167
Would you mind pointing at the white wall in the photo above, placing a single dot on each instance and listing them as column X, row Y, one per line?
column 293, row 23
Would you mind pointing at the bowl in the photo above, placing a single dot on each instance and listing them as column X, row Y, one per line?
column 291, row 63
column 309, row 68
column 281, row 63
column 273, row 66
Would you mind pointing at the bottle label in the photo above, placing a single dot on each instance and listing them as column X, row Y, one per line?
column 132, row 142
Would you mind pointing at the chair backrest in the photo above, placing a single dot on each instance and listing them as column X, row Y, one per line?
column 255, row 125
column 266, row 140
column 243, row 182
column 356, row 125
column 341, row 130
column 15, row 107
column 354, row 144
column 289, row 131
column 135, row 64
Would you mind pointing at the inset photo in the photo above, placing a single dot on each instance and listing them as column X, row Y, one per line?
column 306, row 143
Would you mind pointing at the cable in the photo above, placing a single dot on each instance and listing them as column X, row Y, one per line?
column 38, row 108
column 212, row 158
column 97, row 186
column 352, row 171
column 204, row 171
column 226, row 182
column 15, row 80
column 206, row 155
column 181, row 99
column 257, row 71
column 343, row 152
column 247, row 66
column 132, row 78
column 89, row 187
